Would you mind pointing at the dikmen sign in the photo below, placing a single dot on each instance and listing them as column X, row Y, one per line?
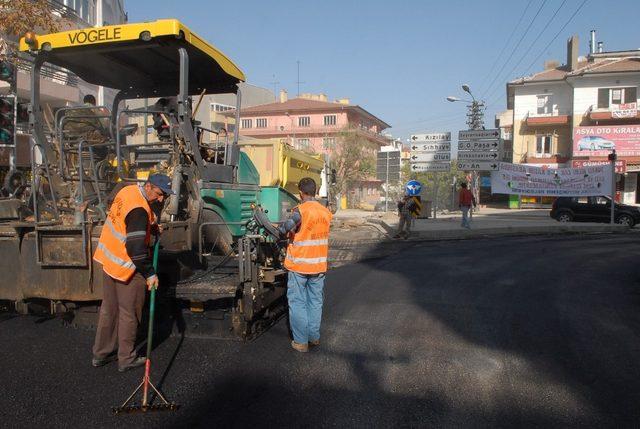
column 521, row 179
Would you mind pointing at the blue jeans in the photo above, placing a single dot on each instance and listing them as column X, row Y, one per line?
column 305, row 294
column 465, row 216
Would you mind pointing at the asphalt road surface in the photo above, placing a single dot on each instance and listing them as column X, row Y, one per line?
column 510, row 332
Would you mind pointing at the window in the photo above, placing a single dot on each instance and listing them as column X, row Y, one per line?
column 330, row 119
column 608, row 97
column 582, row 200
column 247, row 123
column 544, row 104
column 261, row 123
column 302, row 144
column 329, row 143
column 601, row 201
column 217, row 107
column 543, row 146
column 216, row 126
column 304, row 121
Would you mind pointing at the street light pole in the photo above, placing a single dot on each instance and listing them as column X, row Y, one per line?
column 475, row 121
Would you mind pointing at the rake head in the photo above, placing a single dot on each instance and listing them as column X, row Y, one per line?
column 131, row 409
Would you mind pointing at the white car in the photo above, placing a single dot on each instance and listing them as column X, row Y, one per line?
column 595, row 143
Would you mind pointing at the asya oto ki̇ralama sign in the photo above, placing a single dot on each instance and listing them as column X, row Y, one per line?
column 521, row 179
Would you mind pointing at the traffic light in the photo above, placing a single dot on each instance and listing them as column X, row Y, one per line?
column 7, row 71
column 6, row 120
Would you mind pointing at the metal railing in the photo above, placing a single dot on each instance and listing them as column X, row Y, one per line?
column 69, row 13
column 50, row 72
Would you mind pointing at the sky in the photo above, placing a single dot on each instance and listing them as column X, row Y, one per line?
column 399, row 60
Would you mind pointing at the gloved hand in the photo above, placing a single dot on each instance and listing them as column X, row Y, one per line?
column 152, row 282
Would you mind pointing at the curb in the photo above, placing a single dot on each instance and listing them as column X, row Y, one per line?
column 462, row 234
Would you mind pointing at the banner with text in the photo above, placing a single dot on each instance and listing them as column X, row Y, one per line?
column 602, row 139
column 521, row 179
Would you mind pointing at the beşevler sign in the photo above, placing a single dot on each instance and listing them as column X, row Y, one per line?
column 602, row 139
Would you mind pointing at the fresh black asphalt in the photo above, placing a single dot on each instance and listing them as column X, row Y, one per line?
column 509, row 332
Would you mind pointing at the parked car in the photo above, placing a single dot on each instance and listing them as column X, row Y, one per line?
column 595, row 143
column 593, row 209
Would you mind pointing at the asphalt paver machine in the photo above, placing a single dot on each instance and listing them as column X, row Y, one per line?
column 219, row 251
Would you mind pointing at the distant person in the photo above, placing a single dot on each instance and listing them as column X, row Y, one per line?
column 466, row 200
column 407, row 208
column 306, row 260
column 89, row 100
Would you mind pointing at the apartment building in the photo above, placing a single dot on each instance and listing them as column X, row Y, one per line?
column 575, row 114
column 314, row 124
column 59, row 87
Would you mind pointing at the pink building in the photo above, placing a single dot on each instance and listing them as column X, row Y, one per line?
column 314, row 124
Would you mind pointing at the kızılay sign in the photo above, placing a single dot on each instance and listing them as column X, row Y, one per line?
column 601, row 140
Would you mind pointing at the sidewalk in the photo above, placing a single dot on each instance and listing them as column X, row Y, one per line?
column 491, row 222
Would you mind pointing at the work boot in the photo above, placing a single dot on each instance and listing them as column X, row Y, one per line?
column 314, row 343
column 139, row 361
column 302, row 348
column 98, row 362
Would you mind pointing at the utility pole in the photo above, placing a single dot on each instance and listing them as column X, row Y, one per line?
column 275, row 88
column 612, row 157
column 298, row 81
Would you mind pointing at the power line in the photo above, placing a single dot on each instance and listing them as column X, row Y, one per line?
column 549, row 44
column 495, row 63
column 530, row 46
column 556, row 36
column 513, row 51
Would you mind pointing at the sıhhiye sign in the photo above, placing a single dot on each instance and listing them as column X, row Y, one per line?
column 602, row 139
column 521, row 179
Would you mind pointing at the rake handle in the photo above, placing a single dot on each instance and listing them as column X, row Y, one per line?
column 152, row 311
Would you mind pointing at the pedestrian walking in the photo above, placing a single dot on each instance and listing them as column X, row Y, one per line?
column 306, row 260
column 406, row 211
column 466, row 201
column 127, row 265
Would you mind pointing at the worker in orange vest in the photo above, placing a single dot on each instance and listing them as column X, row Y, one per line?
column 124, row 252
column 306, row 260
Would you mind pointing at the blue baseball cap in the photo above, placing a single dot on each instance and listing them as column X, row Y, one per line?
column 161, row 181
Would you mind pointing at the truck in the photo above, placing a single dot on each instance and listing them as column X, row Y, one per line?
column 220, row 251
column 281, row 166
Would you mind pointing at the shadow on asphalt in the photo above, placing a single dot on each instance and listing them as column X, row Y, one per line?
column 571, row 319
column 569, row 308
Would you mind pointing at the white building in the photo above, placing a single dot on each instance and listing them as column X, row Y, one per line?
column 577, row 113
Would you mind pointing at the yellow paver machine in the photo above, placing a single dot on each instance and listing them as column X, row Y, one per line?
column 221, row 257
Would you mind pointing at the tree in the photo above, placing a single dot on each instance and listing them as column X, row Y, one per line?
column 353, row 158
column 444, row 182
column 19, row 16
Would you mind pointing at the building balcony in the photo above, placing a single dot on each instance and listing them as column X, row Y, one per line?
column 543, row 158
column 553, row 118
column 628, row 111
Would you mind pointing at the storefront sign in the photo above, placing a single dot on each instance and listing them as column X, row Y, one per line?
column 626, row 110
column 601, row 140
column 521, row 179
column 621, row 164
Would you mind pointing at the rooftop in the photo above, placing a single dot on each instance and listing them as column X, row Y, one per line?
column 299, row 105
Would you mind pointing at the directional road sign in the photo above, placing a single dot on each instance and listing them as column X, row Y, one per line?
column 479, row 165
column 430, row 156
column 431, row 147
column 431, row 166
column 431, row 137
column 480, row 145
column 478, row 134
column 479, row 156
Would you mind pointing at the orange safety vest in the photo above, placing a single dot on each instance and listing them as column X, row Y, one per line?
column 112, row 251
column 309, row 250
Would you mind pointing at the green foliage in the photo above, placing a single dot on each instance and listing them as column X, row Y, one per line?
column 442, row 180
column 353, row 158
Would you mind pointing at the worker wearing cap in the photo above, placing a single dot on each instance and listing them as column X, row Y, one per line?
column 306, row 260
column 124, row 252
